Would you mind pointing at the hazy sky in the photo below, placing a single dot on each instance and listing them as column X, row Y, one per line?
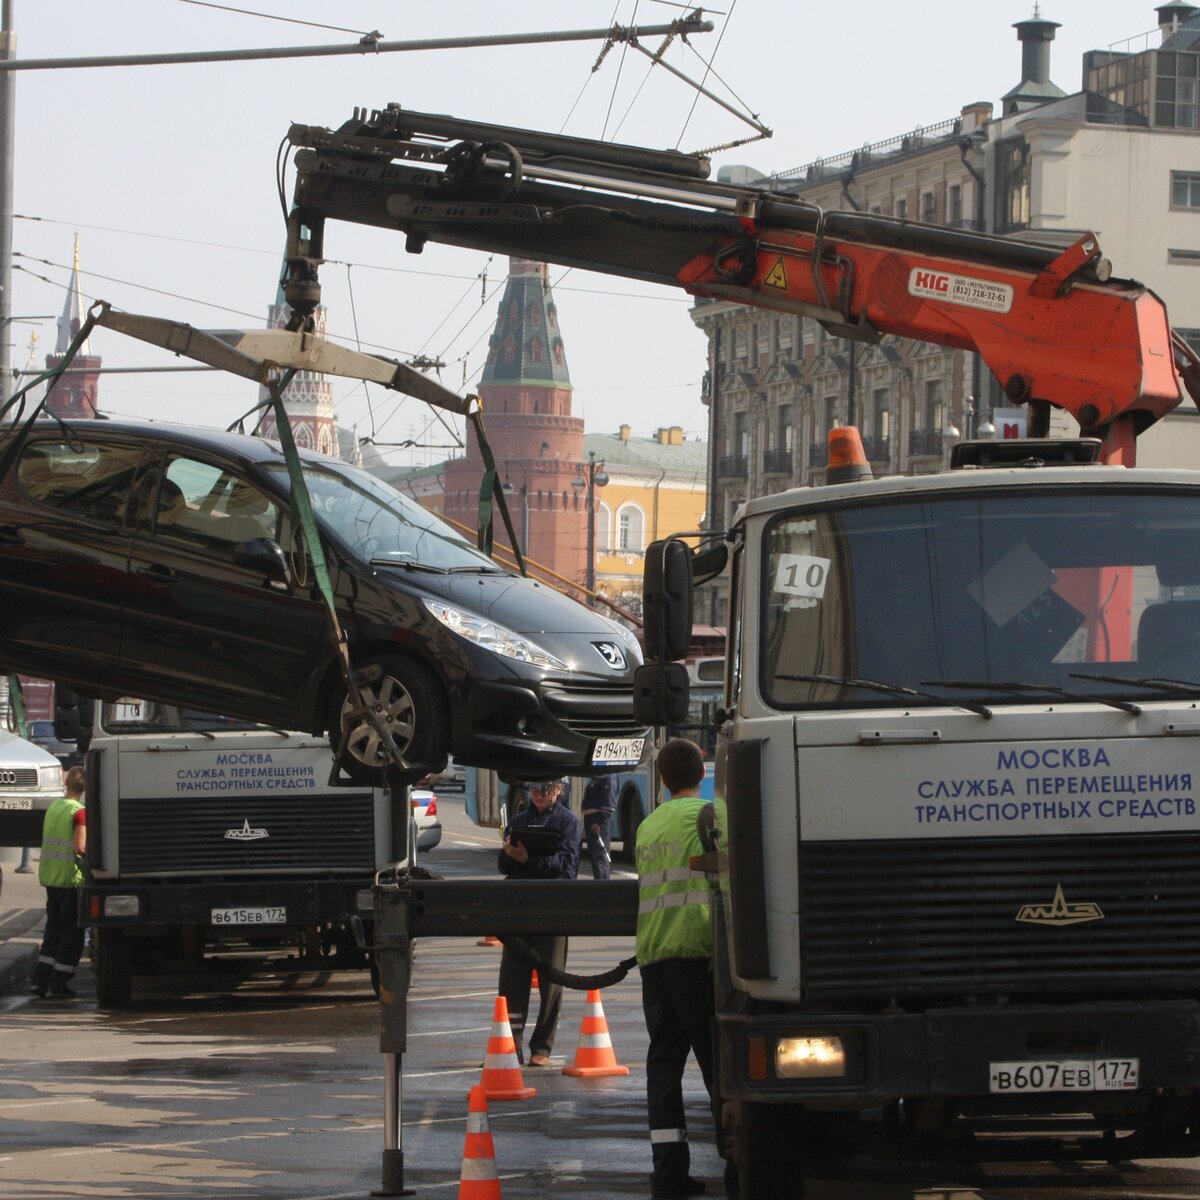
column 167, row 172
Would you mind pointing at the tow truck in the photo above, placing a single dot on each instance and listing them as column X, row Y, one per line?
column 956, row 801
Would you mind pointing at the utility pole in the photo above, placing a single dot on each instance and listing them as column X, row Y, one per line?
column 8, row 100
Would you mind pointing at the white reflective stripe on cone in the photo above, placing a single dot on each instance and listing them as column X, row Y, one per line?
column 668, row 1135
column 595, row 1041
column 501, row 1062
column 477, row 1122
column 479, row 1168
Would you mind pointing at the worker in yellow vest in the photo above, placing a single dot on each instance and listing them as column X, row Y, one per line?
column 674, row 953
column 64, row 840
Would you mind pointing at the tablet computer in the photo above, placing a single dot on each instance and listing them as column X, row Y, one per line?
column 538, row 842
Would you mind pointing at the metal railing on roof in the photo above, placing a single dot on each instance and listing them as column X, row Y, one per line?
column 904, row 143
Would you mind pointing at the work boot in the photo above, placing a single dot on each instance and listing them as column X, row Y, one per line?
column 62, row 993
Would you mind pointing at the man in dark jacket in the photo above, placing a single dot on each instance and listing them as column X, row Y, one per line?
column 599, row 804
column 519, row 862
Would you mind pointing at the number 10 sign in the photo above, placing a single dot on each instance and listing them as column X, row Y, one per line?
column 802, row 575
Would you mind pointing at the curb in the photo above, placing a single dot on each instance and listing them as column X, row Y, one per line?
column 18, row 956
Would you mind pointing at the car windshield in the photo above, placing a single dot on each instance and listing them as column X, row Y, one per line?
column 380, row 524
column 999, row 598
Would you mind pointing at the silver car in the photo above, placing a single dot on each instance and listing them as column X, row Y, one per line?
column 31, row 779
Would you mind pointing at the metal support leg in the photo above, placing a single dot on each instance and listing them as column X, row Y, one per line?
column 25, row 868
column 395, row 972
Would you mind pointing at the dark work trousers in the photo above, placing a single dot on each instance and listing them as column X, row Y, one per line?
column 515, row 982
column 677, row 999
column 62, row 943
column 599, row 846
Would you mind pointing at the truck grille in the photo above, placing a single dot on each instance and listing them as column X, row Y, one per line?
column 309, row 833
column 937, row 919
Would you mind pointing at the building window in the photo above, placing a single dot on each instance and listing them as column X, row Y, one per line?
column 631, row 524
column 1175, row 91
column 954, row 211
column 900, row 209
column 1185, row 189
column 551, row 315
column 928, row 207
column 831, row 413
column 536, row 350
column 784, row 438
column 741, row 435
column 933, row 405
column 603, row 527
column 509, row 351
column 881, row 413
column 535, row 315
column 1012, row 188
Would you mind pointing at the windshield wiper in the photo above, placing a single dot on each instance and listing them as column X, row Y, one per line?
column 891, row 689
column 1046, row 688
column 476, row 571
column 409, row 564
column 1175, row 686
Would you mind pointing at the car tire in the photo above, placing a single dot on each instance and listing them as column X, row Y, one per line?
column 413, row 706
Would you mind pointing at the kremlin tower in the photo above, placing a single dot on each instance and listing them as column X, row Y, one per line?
column 308, row 399
column 537, row 443
column 75, row 392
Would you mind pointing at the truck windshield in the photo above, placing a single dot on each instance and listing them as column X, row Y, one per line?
column 1085, row 592
column 147, row 716
column 380, row 524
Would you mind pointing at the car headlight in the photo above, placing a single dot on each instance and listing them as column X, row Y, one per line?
column 50, row 779
column 494, row 637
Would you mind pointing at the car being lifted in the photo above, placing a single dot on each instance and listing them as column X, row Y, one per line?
column 164, row 561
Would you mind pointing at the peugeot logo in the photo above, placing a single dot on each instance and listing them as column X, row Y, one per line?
column 246, row 834
column 611, row 653
column 1059, row 912
column 8, row 777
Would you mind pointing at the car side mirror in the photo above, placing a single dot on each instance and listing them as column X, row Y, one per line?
column 265, row 555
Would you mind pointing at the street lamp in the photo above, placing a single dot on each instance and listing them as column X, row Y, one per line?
column 509, row 487
column 591, row 477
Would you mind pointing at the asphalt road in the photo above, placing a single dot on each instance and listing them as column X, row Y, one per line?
column 270, row 1085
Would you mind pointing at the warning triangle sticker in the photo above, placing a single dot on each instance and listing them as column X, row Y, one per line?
column 777, row 276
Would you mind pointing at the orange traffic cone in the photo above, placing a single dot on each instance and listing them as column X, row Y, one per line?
column 489, row 941
column 594, row 1054
column 478, row 1180
column 501, row 1078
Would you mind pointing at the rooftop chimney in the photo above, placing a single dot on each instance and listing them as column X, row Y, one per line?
column 1172, row 16
column 625, row 433
column 1035, row 36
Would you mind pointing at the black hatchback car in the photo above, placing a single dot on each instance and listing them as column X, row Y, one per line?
column 162, row 562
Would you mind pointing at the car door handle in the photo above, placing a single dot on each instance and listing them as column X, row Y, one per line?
column 157, row 573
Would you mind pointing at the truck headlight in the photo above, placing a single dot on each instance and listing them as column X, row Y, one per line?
column 494, row 637
column 121, row 906
column 810, row 1058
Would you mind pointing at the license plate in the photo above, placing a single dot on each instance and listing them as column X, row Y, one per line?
column 249, row 916
column 618, row 752
column 1065, row 1075
column 19, row 803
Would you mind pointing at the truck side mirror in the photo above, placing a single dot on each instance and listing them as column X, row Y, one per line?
column 660, row 694
column 709, row 562
column 667, row 600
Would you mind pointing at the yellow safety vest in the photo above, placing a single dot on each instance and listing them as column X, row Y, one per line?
column 58, row 867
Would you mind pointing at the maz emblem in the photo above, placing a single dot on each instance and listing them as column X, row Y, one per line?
column 1059, row 912
column 246, row 834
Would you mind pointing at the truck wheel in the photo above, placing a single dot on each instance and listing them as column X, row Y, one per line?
column 768, row 1151
column 112, row 963
column 410, row 701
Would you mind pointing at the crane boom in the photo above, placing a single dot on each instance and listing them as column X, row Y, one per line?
column 1051, row 324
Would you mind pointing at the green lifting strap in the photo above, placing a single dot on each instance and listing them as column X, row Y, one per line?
column 16, row 700
column 302, row 510
column 50, row 378
column 489, row 490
